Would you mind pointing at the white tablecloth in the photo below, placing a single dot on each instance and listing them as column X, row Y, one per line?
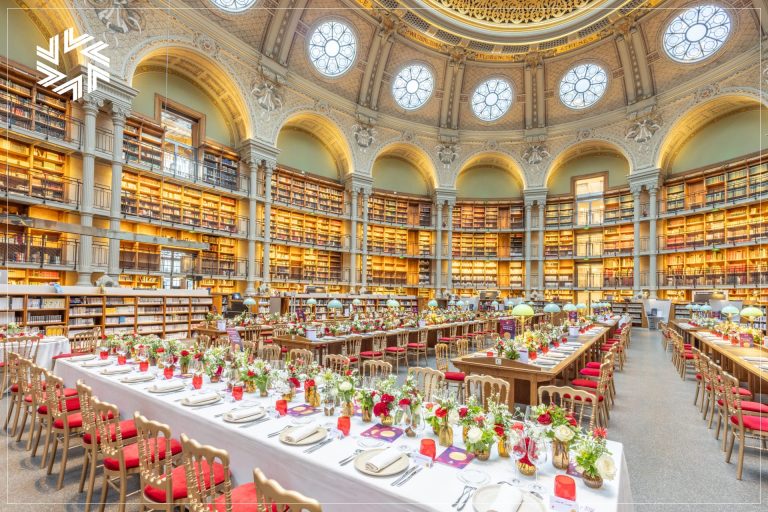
column 318, row 474
column 49, row 347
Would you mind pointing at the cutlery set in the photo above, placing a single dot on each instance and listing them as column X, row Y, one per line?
column 319, row 445
column 463, row 499
column 406, row 476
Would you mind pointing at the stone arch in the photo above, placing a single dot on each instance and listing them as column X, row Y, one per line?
column 587, row 147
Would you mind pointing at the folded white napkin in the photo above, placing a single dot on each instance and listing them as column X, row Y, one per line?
column 508, row 499
column 556, row 355
column 140, row 377
column 244, row 413
column 54, row 338
column 383, row 460
column 298, row 434
column 97, row 363
column 168, row 385
column 116, row 370
column 199, row 399
column 86, row 357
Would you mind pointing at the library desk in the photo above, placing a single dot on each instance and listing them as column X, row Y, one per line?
column 524, row 378
column 731, row 358
column 213, row 332
column 685, row 329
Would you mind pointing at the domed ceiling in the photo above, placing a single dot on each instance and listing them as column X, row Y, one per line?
column 505, row 30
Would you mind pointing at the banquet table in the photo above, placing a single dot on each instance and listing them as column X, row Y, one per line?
column 318, row 474
column 525, row 378
column 48, row 347
column 748, row 364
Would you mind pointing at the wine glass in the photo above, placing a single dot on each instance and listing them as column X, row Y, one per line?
column 537, row 454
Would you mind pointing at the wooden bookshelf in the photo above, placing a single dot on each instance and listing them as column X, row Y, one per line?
column 619, row 208
column 220, row 167
column 618, row 239
column 480, row 245
column 399, row 210
column 473, row 216
column 143, row 142
column 305, row 228
column 26, row 105
column 420, row 243
column 369, row 303
column 558, row 214
column 389, row 271
column 288, row 263
column 618, row 273
column 387, row 240
column 220, row 258
column 293, row 188
column 32, row 171
column 477, row 274
column 559, row 274
column 139, row 256
column 140, row 281
column 516, row 274
column 558, row 244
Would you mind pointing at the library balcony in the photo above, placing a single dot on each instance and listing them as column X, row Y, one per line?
column 739, row 276
column 280, row 273
column 230, row 268
column 41, row 251
column 39, row 121
column 32, row 187
column 307, row 238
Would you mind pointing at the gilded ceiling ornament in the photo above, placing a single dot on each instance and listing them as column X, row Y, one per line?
column 207, row 45
column 642, row 130
column 514, row 12
column 365, row 135
column 118, row 15
column 267, row 96
column 535, row 154
column 447, row 153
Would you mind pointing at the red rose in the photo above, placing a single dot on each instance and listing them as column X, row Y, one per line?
column 198, row 356
column 405, row 402
column 600, row 432
column 441, row 413
column 499, row 430
column 571, row 420
column 518, row 426
column 385, row 398
column 251, row 373
column 160, row 350
column 294, row 381
column 348, row 372
column 545, row 419
column 463, row 411
column 373, row 394
column 428, row 406
column 184, row 353
column 309, row 383
column 381, row 409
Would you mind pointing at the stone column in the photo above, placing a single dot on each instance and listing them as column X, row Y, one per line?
column 253, row 180
column 652, row 242
column 85, row 255
column 636, row 250
column 353, row 249
column 364, row 243
column 267, row 220
column 115, row 206
column 540, row 255
column 527, row 249
column 439, row 246
column 449, row 247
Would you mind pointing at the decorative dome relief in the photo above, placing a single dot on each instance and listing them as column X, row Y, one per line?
column 413, row 86
column 514, row 12
column 583, row 85
column 332, row 48
column 233, row 5
column 492, row 99
column 696, row 33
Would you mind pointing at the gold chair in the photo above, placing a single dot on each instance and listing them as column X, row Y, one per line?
column 378, row 346
column 11, row 369
column 272, row 496
column 418, row 348
column 374, row 370
column 337, row 363
column 462, row 347
column 443, row 364
column 352, row 349
column 79, row 344
column 205, row 464
column 484, row 387
column 450, row 340
column 301, row 356
column 62, row 423
column 251, row 333
column 270, row 352
column 400, row 350
column 429, row 381
column 575, row 401
column 744, row 424
column 601, row 390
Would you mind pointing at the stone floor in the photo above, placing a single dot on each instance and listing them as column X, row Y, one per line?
column 675, row 464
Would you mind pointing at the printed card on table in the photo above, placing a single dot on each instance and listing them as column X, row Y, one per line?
column 388, row 434
column 302, row 410
column 455, row 457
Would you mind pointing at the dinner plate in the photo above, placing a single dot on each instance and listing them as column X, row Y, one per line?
column 117, row 370
column 752, row 359
column 473, row 477
column 396, row 467
column 253, row 417
column 213, row 400
column 97, row 363
column 483, row 499
column 556, row 355
column 314, row 438
column 170, row 389
column 138, row 378
column 86, row 357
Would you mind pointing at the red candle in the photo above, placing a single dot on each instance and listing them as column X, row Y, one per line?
column 282, row 407
column 168, row 372
column 121, row 359
column 104, row 354
column 197, row 380
column 143, row 366
column 489, row 353
column 237, row 391
column 565, row 487
column 343, row 424
column 427, row 448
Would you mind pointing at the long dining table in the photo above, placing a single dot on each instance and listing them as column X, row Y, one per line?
column 319, row 474
column 525, row 378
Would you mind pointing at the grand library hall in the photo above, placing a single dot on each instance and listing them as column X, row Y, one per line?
column 384, row 255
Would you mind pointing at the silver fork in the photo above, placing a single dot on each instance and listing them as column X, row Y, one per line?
column 470, row 491
column 461, row 496
column 319, row 445
column 350, row 458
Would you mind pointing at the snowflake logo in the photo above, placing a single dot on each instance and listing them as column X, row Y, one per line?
column 97, row 65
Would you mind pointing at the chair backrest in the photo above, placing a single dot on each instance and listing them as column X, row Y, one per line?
column 353, row 345
column 423, row 335
column 732, row 399
column 442, row 360
column 429, row 381
column 402, row 339
column 23, row 373
column 82, row 343
column 204, row 341
column 25, row 346
column 199, row 463
column 54, row 330
column 575, row 401
column 301, row 356
column 221, row 340
column 279, row 331
column 337, row 363
column 110, row 436
column 251, row 333
column 37, row 385
column 484, row 387
column 270, row 352
column 85, row 396
column 55, row 399
column 12, row 361
column 379, row 343
column 463, row 329
column 452, row 331
column 272, row 496
column 154, row 469
column 376, row 369
column 462, row 346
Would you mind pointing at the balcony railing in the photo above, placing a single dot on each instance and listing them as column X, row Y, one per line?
column 748, row 276
column 42, row 186
column 40, row 119
column 330, row 276
column 311, row 239
column 38, row 251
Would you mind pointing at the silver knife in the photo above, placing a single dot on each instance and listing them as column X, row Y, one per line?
column 466, row 500
column 404, row 480
column 404, row 475
column 318, row 445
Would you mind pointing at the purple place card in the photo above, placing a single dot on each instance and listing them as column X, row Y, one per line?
column 572, row 471
column 455, row 457
column 388, row 434
column 302, row 410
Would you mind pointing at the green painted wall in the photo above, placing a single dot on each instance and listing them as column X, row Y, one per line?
column 484, row 182
column 729, row 137
column 616, row 166
column 186, row 93
column 23, row 35
column 302, row 150
column 398, row 175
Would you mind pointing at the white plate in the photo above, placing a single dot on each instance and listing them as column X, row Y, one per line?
column 117, row 370
column 78, row 359
column 484, row 497
column 314, row 438
column 253, row 417
column 396, row 467
column 366, row 443
column 170, row 389
column 134, row 379
column 97, row 363
column 473, row 477
column 213, row 400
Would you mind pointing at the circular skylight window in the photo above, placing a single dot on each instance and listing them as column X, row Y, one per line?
column 413, row 86
column 492, row 99
column 332, row 48
column 583, row 85
column 233, row 5
column 697, row 33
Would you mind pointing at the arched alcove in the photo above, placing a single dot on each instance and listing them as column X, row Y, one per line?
column 490, row 175
column 588, row 160
column 402, row 167
column 301, row 150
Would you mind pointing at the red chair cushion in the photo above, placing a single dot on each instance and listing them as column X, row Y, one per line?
column 606, row 348
column 244, row 499
column 698, row 376
column 352, row 359
column 455, row 376
column 445, row 339
column 590, row 372
column 687, row 345
column 417, row 345
column 131, row 454
column 750, row 406
column 599, row 398
column 73, row 404
column 740, row 391
column 593, row 364
column 752, row 422
column 584, row 383
column 127, row 431
column 179, row 482
column 74, row 420
column 67, row 392
column 268, row 340
column 283, row 350
column 395, row 349
column 370, row 353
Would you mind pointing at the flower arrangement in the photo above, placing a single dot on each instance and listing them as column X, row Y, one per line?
column 468, row 412
column 258, row 373
column 244, row 319
column 212, row 317
column 345, row 386
column 386, row 391
column 593, row 458
column 214, row 359
column 506, row 349
column 530, row 341
column 481, row 435
column 296, row 329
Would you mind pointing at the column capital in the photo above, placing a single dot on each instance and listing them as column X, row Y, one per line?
column 647, row 177
column 91, row 103
column 119, row 114
column 536, row 196
column 258, row 151
column 358, row 182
